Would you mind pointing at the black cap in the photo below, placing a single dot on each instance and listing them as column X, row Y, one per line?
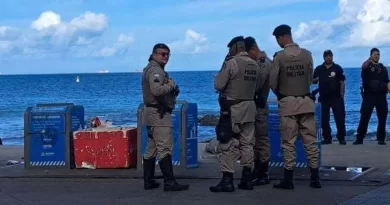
column 328, row 52
column 249, row 42
column 282, row 30
column 235, row 40
column 161, row 45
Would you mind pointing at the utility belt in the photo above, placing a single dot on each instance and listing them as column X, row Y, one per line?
column 224, row 128
column 280, row 96
column 375, row 86
column 161, row 109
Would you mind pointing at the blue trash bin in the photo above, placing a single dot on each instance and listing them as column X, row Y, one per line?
column 48, row 130
column 276, row 158
column 185, row 135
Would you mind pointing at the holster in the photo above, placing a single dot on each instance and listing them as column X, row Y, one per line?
column 224, row 128
column 259, row 101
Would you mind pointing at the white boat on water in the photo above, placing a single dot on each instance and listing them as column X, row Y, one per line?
column 77, row 79
column 103, row 71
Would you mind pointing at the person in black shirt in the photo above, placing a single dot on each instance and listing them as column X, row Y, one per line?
column 375, row 82
column 330, row 77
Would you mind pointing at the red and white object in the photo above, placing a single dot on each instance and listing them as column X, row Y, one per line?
column 106, row 148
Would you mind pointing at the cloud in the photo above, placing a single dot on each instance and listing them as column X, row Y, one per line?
column 192, row 43
column 361, row 23
column 49, row 36
column 79, row 31
column 121, row 46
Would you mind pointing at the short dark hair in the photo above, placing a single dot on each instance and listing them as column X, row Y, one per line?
column 373, row 50
column 328, row 52
column 235, row 40
column 282, row 30
column 249, row 42
column 160, row 45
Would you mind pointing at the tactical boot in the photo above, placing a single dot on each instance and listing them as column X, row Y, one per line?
column 170, row 183
column 381, row 142
column 246, row 179
column 286, row 183
column 262, row 175
column 315, row 178
column 342, row 141
column 327, row 141
column 359, row 140
column 149, row 168
column 225, row 185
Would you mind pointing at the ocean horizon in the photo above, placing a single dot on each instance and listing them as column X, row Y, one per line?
column 115, row 96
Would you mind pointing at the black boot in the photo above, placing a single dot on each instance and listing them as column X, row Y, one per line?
column 381, row 142
column 170, row 183
column 225, row 185
column 246, row 179
column 286, row 183
column 149, row 168
column 261, row 174
column 327, row 140
column 315, row 179
column 359, row 140
column 342, row 140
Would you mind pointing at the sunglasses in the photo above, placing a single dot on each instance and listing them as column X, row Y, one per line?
column 163, row 54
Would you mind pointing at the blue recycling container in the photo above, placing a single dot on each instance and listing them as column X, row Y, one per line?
column 48, row 130
column 185, row 135
column 276, row 158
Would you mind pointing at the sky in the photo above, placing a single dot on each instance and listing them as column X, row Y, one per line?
column 79, row 36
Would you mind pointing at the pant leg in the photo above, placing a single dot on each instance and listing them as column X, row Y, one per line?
column 247, row 141
column 163, row 138
column 289, row 132
column 325, row 118
column 262, row 144
column 338, row 109
column 365, row 115
column 151, row 150
column 230, row 153
column 381, row 111
column 308, row 131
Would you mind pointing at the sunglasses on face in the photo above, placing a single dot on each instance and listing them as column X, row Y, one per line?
column 163, row 54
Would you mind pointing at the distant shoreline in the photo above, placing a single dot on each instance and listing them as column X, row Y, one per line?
column 123, row 72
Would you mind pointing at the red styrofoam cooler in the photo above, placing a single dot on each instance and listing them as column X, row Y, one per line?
column 106, row 148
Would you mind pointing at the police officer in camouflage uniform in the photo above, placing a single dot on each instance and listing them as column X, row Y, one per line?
column 159, row 97
column 290, row 78
column 262, row 144
column 237, row 82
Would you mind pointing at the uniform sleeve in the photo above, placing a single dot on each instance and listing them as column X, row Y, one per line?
column 229, row 70
column 310, row 68
column 274, row 74
column 264, row 72
column 341, row 75
column 387, row 74
column 156, row 81
column 316, row 72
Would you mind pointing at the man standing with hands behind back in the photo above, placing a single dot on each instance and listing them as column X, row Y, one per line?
column 290, row 78
column 330, row 77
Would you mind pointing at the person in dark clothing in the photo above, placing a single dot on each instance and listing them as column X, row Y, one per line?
column 330, row 77
column 375, row 82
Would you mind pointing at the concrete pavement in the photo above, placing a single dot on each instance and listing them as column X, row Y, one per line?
column 53, row 187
